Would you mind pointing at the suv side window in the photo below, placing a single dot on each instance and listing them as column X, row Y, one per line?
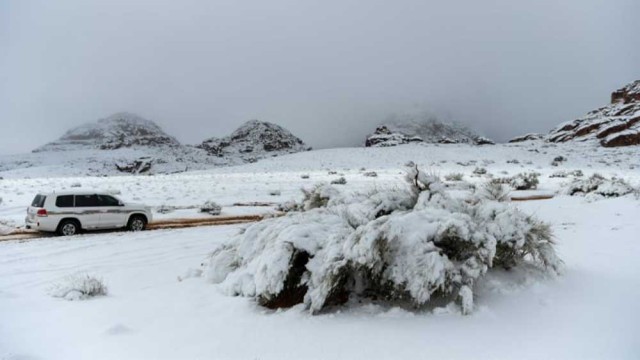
column 106, row 200
column 38, row 201
column 64, row 201
column 87, row 200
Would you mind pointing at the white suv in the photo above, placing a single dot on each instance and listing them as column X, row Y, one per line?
column 67, row 213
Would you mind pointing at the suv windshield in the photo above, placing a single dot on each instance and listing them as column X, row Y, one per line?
column 38, row 201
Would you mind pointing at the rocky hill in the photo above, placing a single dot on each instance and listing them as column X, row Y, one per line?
column 254, row 140
column 411, row 129
column 616, row 124
column 121, row 130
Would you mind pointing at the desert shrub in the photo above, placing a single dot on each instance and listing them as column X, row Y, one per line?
column 598, row 185
column 564, row 174
column 211, row 207
column 79, row 287
column 339, row 181
column 289, row 206
column 479, row 171
column 525, row 181
column 454, row 177
column 494, row 191
column 413, row 246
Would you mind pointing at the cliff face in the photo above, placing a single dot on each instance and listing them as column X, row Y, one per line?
column 616, row 124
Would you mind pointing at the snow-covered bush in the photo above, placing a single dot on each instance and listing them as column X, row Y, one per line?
column 339, row 181
column 275, row 192
column 600, row 186
column 304, row 176
column 564, row 174
column 79, row 287
column 211, row 207
column 407, row 246
column 479, row 171
column 525, row 181
column 493, row 191
column 454, row 177
column 370, row 174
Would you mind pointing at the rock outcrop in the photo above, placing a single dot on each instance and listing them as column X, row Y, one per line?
column 121, row 130
column 255, row 140
column 616, row 124
column 411, row 130
column 527, row 137
column 384, row 137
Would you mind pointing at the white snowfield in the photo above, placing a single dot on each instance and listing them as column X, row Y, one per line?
column 159, row 307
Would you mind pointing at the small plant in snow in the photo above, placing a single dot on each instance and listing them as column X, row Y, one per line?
column 415, row 246
column 211, row 208
column 79, row 287
column 304, row 176
column 454, row 177
column 370, row 174
column 275, row 193
column 493, row 191
column 525, row 181
column 339, row 181
column 600, row 186
column 479, row 171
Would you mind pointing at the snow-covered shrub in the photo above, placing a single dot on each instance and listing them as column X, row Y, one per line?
column 275, row 192
column 304, row 176
column 79, row 287
column 408, row 246
column 288, row 206
column 370, row 174
column 600, row 186
column 211, row 207
column 564, row 174
column 525, row 181
column 454, row 177
column 0, row 200
column 339, row 181
column 493, row 191
column 479, row 171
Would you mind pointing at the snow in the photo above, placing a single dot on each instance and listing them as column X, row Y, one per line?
column 159, row 307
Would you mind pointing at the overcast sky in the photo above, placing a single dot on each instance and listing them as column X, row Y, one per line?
column 327, row 70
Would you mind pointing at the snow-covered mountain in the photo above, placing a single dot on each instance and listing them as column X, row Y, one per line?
column 120, row 130
column 616, row 124
column 126, row 143
column 255, row 140
column 420, row 128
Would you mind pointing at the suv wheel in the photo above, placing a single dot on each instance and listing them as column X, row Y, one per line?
column 137, row 223
column 68, row 228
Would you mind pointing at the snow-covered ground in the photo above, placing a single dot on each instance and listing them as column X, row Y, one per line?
column 156, row 309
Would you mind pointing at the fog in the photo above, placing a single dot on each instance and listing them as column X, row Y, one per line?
column 329, row 71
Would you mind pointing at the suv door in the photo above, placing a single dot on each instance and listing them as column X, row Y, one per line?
column 88, row 210
column 112, row 214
